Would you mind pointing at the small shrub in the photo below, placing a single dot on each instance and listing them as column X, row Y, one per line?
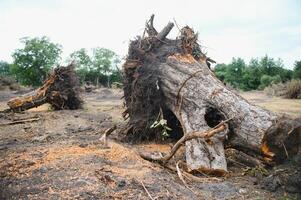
column 276, row 89
column 8, row 82
column 265, row 81
column 276, row 79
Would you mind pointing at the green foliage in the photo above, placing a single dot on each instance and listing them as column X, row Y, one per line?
column 297, row 70
column 163, row 125
column 98, row 68
column 104, row 61
column 83, row 63
column 265, row 81
column 258, row 74
column 234, row 72
column 33, row 62
column 256, row 171
column 4, row 68
column 116, row 76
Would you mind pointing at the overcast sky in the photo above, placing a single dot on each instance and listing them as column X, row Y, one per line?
column 232, row 28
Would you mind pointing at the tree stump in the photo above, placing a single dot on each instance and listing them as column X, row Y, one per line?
column 61, row 90
column 172, row 77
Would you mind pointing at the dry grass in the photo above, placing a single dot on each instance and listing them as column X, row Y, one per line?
column 293, row 89
column 290, row 89
column 275, row 104
column 8, row 83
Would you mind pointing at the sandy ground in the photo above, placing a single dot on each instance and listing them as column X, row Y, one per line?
column 60, row 156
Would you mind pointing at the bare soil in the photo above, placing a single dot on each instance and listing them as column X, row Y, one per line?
column 61, row 156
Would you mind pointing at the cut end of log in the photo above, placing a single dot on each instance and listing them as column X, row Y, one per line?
column 283, row 140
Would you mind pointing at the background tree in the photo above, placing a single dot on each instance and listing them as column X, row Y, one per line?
column 101, row 67
column 258, row 74
column 103, row 62
column 33, row 62
column 297, row 70
column 83, row 63
column 4, row 68
column 252, row 74
column 235, row 71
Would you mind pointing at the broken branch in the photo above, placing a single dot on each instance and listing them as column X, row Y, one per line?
column 149, row 195
column 207, row 134
column 108, row 132
column 151, row 31
column 21, row 121
column 165, row 31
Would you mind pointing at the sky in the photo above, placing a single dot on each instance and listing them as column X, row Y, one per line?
column 227, row 29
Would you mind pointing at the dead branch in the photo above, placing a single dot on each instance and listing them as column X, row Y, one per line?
column 165, row 31
column 238, row 157
column 151, row 31
column 21, row 121
column 191, row 177
column 182, row 178
column 108, row 132
column 149, row 195
column 207, row 134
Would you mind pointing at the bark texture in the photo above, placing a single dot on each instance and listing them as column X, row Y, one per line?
column 171, row 76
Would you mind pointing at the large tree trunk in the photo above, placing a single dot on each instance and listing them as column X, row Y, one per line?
column 60, row 90
column 162, row 75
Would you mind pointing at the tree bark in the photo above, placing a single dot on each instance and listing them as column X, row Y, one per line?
column 173, row 75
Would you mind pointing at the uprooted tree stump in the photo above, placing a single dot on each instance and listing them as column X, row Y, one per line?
column 171, row 79
column 61, row 90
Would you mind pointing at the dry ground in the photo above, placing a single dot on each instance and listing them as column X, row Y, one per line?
column 276, row 104
column 60, row 156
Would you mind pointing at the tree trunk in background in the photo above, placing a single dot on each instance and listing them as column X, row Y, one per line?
column 162, row 74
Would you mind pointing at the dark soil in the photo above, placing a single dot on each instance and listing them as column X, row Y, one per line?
column 61, row 157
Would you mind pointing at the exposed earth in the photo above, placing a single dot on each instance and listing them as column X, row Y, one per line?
column 61, row 156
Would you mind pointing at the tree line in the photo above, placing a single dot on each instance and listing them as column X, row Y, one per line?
column 38, row 56
column 99, row 66
column 257, row 74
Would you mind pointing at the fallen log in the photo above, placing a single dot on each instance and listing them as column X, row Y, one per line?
column 172, row 77
column 60, row 90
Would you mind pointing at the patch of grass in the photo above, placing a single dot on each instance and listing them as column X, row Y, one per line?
column 256, row 171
